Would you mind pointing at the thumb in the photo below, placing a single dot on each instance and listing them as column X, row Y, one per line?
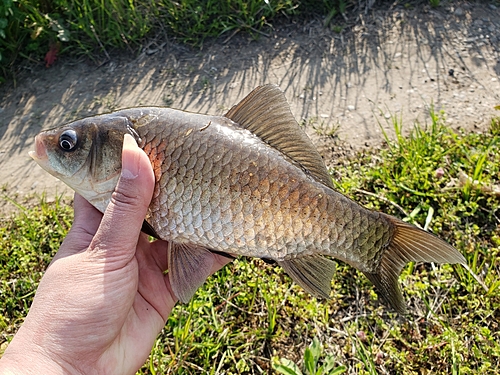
column 121, row 224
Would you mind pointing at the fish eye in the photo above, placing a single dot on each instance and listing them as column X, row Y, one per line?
column 68, row 140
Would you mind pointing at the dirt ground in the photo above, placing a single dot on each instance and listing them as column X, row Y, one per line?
column 391, row 60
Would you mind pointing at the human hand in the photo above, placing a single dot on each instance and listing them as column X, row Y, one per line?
column 105, row 297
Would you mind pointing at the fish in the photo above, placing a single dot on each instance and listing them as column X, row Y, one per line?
column 249, row 183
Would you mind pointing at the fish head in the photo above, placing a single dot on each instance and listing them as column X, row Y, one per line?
column 85, row 155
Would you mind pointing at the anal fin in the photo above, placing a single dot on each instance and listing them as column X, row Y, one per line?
column 313, row 273
column 189, row 266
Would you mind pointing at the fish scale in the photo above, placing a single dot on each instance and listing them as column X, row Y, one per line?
column 250, row 190
column 248, row 183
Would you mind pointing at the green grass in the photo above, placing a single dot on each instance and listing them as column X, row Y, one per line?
column 28, row 241
column 435, row 3
column 250, row 318
column 93, row 28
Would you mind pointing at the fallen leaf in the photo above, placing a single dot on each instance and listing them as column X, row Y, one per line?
column 51, row 56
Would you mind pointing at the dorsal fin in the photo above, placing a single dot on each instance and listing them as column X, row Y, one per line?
column 266, row 113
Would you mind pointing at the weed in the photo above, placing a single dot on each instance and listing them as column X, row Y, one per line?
column 167, row 100
column 337, row 28
column 31, row 28
column 435, row 3
column 320, row 127
column 28, row 242
column 313, row 365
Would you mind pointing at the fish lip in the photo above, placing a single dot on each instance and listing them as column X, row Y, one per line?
column 40, row 152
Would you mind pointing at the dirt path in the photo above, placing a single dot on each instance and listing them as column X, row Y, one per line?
column 392, row 60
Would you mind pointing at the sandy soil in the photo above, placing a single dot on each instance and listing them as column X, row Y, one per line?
column 390, row 61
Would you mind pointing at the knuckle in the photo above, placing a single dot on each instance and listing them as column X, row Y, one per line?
column 126, row 198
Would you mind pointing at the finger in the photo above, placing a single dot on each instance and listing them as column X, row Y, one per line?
column 87, row 217
column 220, row 261
column 122, row 221
column 85, row 224
column 158, row 252
column 154, row 287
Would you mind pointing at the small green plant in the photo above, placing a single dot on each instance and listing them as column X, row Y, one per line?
column 321, row 127
column 435, row 3
column 313, row 363
column 337, row 28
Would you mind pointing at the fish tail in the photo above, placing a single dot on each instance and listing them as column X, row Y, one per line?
column 408, row 244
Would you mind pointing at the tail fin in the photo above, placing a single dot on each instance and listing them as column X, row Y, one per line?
column 409, row 243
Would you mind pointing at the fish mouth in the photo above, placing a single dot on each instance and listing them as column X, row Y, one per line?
column 40, row 152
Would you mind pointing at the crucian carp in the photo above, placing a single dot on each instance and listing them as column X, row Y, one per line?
column 249, row 183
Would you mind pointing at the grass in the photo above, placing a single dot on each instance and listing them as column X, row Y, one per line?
column 435, row 3
column 31, row 29
column 28, row 241
column 250, row 318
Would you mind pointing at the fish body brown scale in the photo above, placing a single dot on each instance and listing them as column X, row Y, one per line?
column 220, row 187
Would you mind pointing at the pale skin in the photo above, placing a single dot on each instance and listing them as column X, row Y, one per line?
column 105, row 296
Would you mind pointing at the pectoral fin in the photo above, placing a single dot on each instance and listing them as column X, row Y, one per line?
column 189, row 267
column 149, row 230
column 313, row 273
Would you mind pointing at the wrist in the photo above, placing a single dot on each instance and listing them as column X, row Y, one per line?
column 23, row 357
column 30, row 363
